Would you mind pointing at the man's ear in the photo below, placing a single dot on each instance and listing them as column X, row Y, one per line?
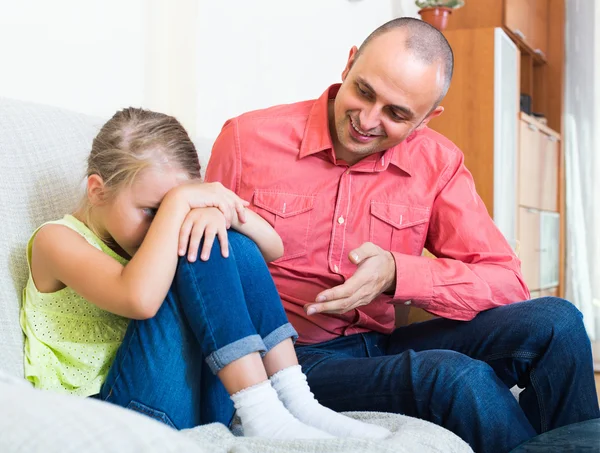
column 435, row 112
column 95, row 190
column 351, row 59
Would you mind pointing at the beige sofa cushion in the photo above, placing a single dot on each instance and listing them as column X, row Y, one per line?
column 42, row 157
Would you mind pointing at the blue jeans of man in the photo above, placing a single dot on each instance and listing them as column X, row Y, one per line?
column 215, row 312
column 458, row 374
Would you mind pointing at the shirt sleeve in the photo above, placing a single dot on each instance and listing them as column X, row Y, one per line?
column 475, row 269
column 225, row 160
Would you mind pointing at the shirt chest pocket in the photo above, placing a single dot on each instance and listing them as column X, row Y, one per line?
column 398, row 228
column 290, row 215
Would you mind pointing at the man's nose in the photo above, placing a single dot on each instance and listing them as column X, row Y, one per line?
column 369, row 118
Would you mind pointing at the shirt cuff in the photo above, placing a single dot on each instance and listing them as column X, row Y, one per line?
column 413, row 279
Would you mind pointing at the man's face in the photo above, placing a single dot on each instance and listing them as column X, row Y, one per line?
column 386, row 94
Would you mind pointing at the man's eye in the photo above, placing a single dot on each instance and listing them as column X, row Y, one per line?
column 395, row 117
column 362, row 92
column 149, row 212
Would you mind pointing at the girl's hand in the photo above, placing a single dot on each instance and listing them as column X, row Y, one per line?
column 199, row 223
column 214, row 194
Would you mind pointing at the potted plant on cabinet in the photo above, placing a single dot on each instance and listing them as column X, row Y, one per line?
column 436, row 12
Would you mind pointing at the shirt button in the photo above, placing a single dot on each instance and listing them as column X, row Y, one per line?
column 408, row 302
column 335, row 268
column 341, row 220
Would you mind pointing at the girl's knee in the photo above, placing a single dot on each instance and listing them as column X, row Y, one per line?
column 242, row 245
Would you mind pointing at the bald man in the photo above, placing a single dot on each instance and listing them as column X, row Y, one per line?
column 356, row 184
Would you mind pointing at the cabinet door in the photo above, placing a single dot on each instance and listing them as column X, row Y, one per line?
column 529, row 238
column 549, row 249
column 517, row 19
column 539, row 27
column 550, row 292
column 549, row 157
column 530, row 161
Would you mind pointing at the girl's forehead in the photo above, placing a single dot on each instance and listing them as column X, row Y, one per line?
column 152, row 184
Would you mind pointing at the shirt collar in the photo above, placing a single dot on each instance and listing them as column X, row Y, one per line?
column 317, row 137
column 316, row 133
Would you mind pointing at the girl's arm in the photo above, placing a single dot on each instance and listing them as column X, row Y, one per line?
column 261, row 232
column 61, row 257
column 136, row 290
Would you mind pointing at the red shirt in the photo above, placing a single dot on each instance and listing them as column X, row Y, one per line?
column 414, row 195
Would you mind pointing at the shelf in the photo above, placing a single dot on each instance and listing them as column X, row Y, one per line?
column 541, row 126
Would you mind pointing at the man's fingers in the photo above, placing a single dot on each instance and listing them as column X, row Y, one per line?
column 226, row 210
column 335, row 306
column 241, row 211
column 366, row 250
column 337, row 292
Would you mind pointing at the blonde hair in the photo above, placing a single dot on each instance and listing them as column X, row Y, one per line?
column 133, row 140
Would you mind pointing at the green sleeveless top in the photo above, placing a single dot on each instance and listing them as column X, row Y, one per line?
column 70, row 343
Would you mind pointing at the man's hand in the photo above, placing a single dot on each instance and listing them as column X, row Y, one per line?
column 203, row 223
column 376, row 274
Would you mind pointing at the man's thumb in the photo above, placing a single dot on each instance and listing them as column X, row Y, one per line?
column 359, row 254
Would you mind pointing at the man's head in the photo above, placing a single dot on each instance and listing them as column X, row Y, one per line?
column 391, row 86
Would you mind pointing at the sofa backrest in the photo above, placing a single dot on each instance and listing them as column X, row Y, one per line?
column 42, row 160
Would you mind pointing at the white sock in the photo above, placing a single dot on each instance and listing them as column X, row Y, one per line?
column 263, row 415
column 292, row 388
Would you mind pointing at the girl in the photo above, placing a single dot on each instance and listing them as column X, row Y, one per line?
column 111, row 311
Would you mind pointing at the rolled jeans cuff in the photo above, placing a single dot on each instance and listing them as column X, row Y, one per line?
column 233, row 351
column 283, row 332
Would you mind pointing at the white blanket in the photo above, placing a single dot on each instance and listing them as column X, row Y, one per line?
column 33, row 421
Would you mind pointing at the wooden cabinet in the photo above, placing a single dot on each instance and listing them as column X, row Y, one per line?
column 539, row 219
column 521, row 180
column 550, row 155
column 529, row 233
column 529, row 169
column 539, row 27
column 539, row 156
column 549, row 244
column 550, row 292
column 517, row 17
column 481, row 117
column 525, row 20
column 539, row 247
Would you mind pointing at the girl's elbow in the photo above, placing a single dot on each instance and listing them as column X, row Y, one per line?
column 142, row 308
column 143, row 314
column 275, row 253
column 278, row 253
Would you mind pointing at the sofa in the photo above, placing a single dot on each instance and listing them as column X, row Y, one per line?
column 43, row 151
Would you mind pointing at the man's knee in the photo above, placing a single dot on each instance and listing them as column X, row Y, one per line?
column 445, row 370
column 556, row 316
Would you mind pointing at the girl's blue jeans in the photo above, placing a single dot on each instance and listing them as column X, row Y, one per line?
column 215, row 312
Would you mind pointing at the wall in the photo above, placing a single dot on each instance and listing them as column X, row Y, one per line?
column 86, row 56
column 203, row 61
column 256, row 54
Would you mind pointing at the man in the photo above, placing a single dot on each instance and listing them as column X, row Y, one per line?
column 356, row 184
